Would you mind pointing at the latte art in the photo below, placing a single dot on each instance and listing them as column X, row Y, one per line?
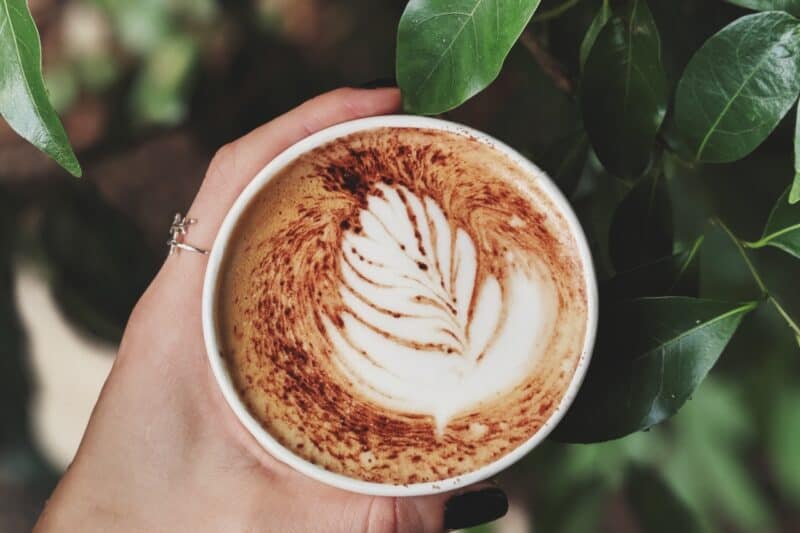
column 402, row 305
column 419, row 334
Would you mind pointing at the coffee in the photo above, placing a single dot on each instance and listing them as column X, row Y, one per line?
column 402, row 305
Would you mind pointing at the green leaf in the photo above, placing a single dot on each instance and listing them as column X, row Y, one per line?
column 794, row 194
column 641, row 230
column 565, row 159
column 783, row 442
column 450, row 50
column 159, row 92
column 657, row 508
column 738, row 86
column 598, row 23
column 624, row 90
column 651, row 355
column 713, row 437
column 595, row 200
column 23, row 97
column 783, row 228
column 790, row 6
column 673, row 275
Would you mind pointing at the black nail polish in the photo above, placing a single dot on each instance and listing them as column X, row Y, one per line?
column 379, row 83
column 474, row 508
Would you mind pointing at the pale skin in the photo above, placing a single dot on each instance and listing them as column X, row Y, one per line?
column 163, row 451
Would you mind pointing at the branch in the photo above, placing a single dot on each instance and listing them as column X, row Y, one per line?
column 555, row 12
column 549, row 64
column 759, row 280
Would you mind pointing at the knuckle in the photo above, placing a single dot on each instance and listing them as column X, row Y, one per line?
column 382, row 516
column 224, row 160
column 394, row 515
column 347, row 99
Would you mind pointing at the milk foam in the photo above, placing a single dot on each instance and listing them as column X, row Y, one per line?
column 421, row 333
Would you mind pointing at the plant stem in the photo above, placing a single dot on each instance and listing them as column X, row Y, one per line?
column 764, row 241
column 740, row 247
column 758, row 279
column 550, row 65
column 555, row 12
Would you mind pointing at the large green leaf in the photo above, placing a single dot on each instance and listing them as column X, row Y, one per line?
column 783, row 227
column 450, row 50
column 794, row 194
column 598, row 23
column 624, row 90
column 641, row 230
column 790, row 6
column 673, row 275
column 738, row 86
column 23, row 97
column 651, row 355
column 657, row 508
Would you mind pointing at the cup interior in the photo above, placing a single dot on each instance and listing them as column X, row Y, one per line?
column 219, row 367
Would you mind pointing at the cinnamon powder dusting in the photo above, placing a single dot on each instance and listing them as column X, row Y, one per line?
column 281, row 284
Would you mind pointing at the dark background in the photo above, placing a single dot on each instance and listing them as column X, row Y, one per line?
column 148, row 90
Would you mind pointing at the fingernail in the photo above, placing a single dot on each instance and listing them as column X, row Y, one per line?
column 378, row 83
column 475, row 508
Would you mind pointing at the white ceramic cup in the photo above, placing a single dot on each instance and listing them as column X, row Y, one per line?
column 219, row 367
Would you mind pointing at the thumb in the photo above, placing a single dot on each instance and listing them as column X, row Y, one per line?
column 475, row 505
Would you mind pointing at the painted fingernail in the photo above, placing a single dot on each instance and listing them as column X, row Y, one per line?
column 379, row 83
column 474, row 508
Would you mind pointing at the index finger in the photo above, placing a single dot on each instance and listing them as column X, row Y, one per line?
column 235, row 164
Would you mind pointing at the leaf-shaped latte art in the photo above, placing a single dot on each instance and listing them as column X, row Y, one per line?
column 418, row 334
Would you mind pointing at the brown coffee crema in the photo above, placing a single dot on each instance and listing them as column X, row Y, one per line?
column 284, row 300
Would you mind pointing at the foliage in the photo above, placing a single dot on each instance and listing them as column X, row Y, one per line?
column 624, row 90
column 738, row 86
column 23, row 97
column 651, row 355
column 665, row 122
column 449, row 51
column 733, row 92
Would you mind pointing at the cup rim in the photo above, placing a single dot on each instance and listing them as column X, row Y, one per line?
column 219, row 367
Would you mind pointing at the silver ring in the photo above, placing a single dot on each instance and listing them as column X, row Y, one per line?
column 177, row 233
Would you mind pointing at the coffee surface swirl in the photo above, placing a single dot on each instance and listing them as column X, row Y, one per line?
column 402, row 305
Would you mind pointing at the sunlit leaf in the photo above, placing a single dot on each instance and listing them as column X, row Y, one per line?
column 790, row 6
column 738, row 86
column 24, row 101
column 450, row 50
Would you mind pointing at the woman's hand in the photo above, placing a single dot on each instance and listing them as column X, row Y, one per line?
column 163, row 452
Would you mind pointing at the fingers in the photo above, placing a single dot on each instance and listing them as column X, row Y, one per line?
column 235, row 164
column 476, row 505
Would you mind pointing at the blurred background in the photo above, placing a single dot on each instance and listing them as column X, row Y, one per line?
column 148, row 90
